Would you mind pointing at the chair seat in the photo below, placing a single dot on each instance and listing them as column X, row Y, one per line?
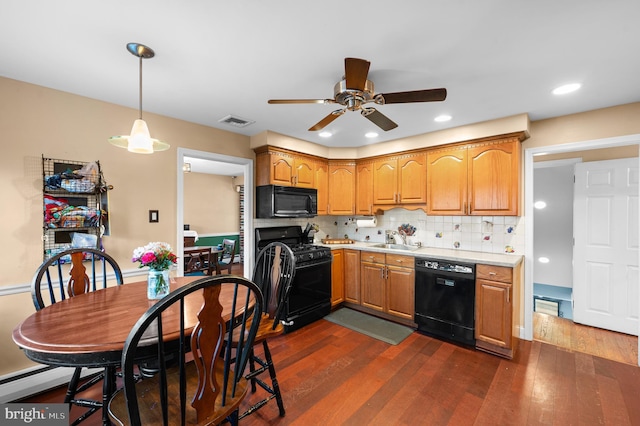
column 265, row 330
column 151, row 413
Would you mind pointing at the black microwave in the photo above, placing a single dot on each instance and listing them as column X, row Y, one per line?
column 285, row 201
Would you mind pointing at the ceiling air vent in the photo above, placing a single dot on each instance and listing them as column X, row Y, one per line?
column 236, row 121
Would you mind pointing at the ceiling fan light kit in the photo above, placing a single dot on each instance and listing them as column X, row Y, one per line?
column 354, row 91
column 139, row 140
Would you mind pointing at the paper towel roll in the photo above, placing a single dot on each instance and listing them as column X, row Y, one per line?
column 367, row 222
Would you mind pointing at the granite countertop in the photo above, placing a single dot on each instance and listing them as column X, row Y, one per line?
column 496, row 259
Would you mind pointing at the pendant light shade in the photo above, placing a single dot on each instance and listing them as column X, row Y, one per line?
column 139, row 141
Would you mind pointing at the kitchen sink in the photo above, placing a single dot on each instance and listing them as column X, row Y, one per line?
column 395, row 247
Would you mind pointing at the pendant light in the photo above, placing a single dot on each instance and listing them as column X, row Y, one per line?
column 139, row 141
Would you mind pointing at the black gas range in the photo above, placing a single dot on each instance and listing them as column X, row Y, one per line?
column 310, row 297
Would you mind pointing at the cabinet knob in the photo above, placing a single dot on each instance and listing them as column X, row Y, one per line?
column 492, row 273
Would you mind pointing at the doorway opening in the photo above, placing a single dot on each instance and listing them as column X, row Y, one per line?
column 236, row 166
column 527, row 332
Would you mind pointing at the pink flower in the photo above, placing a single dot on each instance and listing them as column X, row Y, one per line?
column 147, row 258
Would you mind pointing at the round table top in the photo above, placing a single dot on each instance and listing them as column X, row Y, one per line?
column 90, row 329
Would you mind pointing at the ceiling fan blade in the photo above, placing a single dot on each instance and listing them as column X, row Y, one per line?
column 429, row 95
column 355, row 73
column 379, row 119
column 301, row 101
column 325, row 121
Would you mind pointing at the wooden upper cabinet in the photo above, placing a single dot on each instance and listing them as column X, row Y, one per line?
column 494, row 178
column 412, row 179
column 364, row 188
column 447, row 181
column 342, row 187
column 281, row 170
column 385, row 181
column 285, row 168
column 322, row 185
column 400, row 180
column 479, row 180
column 304, row 171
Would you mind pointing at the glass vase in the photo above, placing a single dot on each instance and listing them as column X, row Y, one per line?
column 157, row 283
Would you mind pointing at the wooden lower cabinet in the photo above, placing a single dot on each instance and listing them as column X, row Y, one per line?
column 497, row 309
column 400, row 288
column 372, row 288
column 337, row 277
column 352, row 276
column 387, row 283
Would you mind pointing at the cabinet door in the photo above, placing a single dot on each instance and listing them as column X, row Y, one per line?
column 447, row 182
column 412, row 179
column 385, row 181
column 281, row 170
column 494, row 179
column 304, row 170
column 342, row 186
column 400, row 291
column 352, row 276
column 364, row 188
column 337, row 277
column 493, row 313
column 372, row 285
column 322, row 185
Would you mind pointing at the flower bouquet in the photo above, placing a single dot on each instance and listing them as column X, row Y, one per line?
column 159, row 258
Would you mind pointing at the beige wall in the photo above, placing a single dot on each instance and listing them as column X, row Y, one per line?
column 211, row 203
column 591, row 125
column 36, row 121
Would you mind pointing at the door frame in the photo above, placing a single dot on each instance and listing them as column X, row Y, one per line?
column 247, row 165
column 529, row 153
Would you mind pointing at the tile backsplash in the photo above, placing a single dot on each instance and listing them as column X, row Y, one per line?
column 490, row 234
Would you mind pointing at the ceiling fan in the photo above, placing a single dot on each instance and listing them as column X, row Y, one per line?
column 354, row 91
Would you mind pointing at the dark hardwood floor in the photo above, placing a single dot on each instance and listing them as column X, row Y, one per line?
column 331, row 375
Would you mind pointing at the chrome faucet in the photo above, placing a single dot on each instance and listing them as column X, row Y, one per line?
column 403, row 236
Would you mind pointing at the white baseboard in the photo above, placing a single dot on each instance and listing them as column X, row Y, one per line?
column 30, row 381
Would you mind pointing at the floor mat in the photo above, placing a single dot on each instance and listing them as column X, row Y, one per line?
column 369, row 325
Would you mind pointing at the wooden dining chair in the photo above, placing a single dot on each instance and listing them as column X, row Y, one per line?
column 198, row 259
column 67, row 274
column 227, row 255
column 206, row 384
column 273, row 272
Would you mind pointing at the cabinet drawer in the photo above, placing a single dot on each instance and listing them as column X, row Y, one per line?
column 494, row 273
column 400, row 260
column 372, row 257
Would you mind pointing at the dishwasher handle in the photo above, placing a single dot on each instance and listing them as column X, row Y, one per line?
column 445, row 281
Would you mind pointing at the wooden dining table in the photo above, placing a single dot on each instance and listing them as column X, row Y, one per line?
column 202, row 258
column 89, row 330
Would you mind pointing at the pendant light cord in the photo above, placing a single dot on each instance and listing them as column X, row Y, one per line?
column 140, row 105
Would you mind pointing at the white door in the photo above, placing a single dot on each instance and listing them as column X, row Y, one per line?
column 605, row 273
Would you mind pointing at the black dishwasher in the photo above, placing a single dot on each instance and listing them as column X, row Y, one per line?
column 445, row 299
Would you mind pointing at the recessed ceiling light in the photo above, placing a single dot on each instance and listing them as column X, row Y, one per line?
column 370, row 135
column 543, row 259
column 567, row 88
column 539, row 205
column 324, row 134
column 442, row 118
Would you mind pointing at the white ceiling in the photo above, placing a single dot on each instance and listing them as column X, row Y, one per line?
column 496, row 58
